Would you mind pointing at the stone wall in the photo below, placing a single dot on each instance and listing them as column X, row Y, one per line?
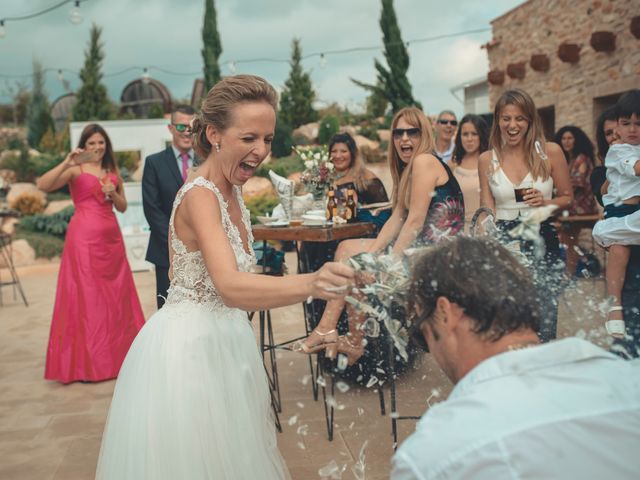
column 580, row 91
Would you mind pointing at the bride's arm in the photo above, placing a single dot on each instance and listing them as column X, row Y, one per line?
column 250, row 291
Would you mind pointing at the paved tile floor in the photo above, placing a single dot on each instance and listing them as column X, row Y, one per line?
column 50, row 431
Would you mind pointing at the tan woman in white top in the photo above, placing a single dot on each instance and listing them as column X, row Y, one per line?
column 519, row 156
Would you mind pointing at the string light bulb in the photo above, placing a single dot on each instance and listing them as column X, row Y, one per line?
column 232, row 68
column 146, row 78
column 3, row 32
column 60, row 75
column 323, row 60
column 75, row 16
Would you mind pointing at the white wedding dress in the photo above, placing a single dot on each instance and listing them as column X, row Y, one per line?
column 192, row 399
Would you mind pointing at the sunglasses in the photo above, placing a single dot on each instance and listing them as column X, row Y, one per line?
column 411, row 132
column 416, row 337
column 182, row 127
column 453, row 123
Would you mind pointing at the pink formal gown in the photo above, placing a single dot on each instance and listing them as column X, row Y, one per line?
column 97, row 313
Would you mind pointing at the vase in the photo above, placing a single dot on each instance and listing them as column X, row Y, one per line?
column 319, row 199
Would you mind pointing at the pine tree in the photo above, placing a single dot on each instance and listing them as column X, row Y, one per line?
column 212, row 46
column 38, row 116
column 296, row 101
column 392, row 82
column 93, row 102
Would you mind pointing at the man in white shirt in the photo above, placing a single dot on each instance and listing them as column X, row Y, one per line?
column 445, row 129
column 520, row 409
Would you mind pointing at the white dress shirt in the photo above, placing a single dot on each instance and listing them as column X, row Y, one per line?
column 623, row 181
column 563, row 410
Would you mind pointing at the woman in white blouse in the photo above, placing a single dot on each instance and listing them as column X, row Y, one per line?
column 520, row 158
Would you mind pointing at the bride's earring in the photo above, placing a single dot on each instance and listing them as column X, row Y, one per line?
column 217, row 145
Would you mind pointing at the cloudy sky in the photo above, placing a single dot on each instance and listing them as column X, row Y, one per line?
column 166, row 34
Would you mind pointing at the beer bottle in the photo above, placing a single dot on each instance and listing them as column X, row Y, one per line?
column 332, row 205
column 352, row 208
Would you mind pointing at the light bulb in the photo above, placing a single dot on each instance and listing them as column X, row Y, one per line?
column 3, row 32
column 75, row 16
column 323, row 60
column 146, row 78
column 60, row 75
column 232, row 67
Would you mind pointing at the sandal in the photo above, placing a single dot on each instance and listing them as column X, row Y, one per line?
column 317, row 341
column 615, row 328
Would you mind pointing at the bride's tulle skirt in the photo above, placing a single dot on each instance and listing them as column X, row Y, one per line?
column 191, row 402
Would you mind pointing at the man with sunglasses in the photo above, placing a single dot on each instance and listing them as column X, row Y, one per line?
column 164, row 173
column 445, row 131
column 519, row 408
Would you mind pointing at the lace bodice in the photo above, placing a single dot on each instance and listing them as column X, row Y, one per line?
column 191, row 281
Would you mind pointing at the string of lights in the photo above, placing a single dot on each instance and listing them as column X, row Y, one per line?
column 75, row 16
column 231, row 64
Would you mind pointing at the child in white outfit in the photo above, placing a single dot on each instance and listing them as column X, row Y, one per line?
column 621, row 226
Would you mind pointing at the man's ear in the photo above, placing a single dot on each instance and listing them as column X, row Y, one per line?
column 448, row 313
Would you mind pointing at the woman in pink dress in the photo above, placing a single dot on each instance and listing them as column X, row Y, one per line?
column 97, row 313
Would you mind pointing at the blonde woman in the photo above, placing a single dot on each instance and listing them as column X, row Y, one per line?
column 426, row 202
column 520, row 157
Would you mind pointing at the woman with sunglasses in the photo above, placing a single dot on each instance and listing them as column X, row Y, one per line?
column 426, row 204
column 520, row 159
column 471, row 140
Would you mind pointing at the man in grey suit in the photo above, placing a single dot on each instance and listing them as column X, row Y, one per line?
column 164, row 174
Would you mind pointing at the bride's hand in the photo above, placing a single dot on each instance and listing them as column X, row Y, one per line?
column 332, row 281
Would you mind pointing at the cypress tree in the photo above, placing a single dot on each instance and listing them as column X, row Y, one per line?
column 212, row 48
column 38, row 116
column 93, row 102
column 393, row 83
column 296, row 101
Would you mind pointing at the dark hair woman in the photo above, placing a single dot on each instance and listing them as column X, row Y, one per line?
column 97, row 313
column 471, row 140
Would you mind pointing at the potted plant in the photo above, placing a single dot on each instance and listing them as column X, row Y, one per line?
column 516, row 70
column 540, row 62
column 496, row 77
column 603, row 41
column 635, row 27
column 569, row 52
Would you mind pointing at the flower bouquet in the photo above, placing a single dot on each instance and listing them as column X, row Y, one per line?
column 318, row 174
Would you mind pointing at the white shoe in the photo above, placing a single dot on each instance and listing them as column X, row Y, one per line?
column 615, row 328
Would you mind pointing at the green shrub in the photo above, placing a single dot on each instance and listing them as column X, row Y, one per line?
column 261, row 205
column 370, row 130
column 27, row 167
column 329, row 126
column 282, row 142
column 55, row 224
column 44, row 244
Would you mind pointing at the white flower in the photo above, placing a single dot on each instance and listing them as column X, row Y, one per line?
column 317, row 156
column 330, row 166
column 308, row 164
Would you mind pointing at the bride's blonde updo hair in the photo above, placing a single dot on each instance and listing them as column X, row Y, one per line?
column 221, row 99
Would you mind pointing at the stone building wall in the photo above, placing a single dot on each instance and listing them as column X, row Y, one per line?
column 577, row 92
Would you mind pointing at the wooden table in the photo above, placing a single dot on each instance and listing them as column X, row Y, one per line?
column 313, row 234
column 311, row 311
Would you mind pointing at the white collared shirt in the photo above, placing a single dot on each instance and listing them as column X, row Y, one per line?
column 446, row 155
column 563, row 410
column 623, row 181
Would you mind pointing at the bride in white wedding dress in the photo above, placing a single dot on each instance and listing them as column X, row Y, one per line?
column 192, row 399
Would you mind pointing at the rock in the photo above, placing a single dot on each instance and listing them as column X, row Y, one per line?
column 8, row 176
column 309, row 131
column 23, row 254
column 57, row 206
column 256, row 186
column 350, row 129
column 18, row 189
column 362, row 142
column 9, row 225
column 385, row 135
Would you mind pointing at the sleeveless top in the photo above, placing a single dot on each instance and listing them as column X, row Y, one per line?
column 503, row 191
column 191, row 282
column 445, row 216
